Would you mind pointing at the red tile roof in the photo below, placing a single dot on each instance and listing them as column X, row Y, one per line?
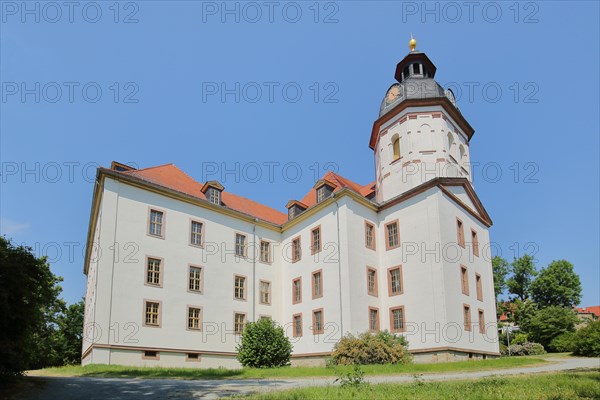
column 310, row 199
column 171, row 177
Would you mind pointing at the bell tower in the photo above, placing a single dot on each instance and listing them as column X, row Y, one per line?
column 420, row 133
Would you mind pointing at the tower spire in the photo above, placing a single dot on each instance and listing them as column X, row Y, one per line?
column 412, row 44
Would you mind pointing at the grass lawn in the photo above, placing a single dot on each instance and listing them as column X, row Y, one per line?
column 118, row 371
column 557, row 386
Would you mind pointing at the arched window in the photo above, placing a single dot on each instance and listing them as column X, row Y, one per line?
column 450, row 141
column 396, row 148
column 461, row 150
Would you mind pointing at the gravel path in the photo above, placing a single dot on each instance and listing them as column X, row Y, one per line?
column 75, row 388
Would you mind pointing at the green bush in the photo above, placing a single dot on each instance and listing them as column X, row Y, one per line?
column 519, row 338
column 563, row 343
column 587, row 340
column 368, row 348
column 264, row 345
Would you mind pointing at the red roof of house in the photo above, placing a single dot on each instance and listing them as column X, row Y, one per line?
column 310, row 199
column 171, row 177
column 593, row 309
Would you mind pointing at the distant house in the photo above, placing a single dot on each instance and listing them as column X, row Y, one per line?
column 586, row 314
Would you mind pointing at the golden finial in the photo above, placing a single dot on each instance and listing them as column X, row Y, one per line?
column 412, row 44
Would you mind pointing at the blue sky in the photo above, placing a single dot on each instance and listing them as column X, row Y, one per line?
column 295, row 86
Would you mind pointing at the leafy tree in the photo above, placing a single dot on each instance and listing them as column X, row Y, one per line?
column 587, row 340
column 28, row 298
column 557, row 285
column 500, row 267
column 264, row 345
column 70, row 333
column 522, row 311
column 547, row 323
column 523, row 271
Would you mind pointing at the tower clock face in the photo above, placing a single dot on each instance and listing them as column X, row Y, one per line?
column 392, row 94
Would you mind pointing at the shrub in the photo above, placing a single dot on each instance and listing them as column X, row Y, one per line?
column 519, row 338
column 379, row 348
column 587, row 340
column 354, row 378
column 525, row 349
column 563, row 343
column 264, row 345
column 503, row 349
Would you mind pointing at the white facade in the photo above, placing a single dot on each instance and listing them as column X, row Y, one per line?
column 433, row 262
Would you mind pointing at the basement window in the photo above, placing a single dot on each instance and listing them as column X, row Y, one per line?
column 150, row 355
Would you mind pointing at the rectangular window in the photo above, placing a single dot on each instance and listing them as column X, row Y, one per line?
column 369, row 236
column 240, row 245
column 296, row 250
column 153, row 271
column 297, row 325
column 239, row 287
column 155, row 227
column 464, row 279
column 318, row 324
column 297, row 291
column 195, row 279
column 392, row 235
column 214, row 196
column 460, row 233
column 152, row 313
column 317, row 284
column 239, row 322
column 478, row 286
column 475, row 243
column 265, row 292
column 265, row 251
column 397, row 319
column 150, row 355
column 481, row 321
column 467, row 317
column 372, row 281
column 194, row 318
column 192, row 357
column 373, row 319
column 196, row 233
column 321, row 194
column 315, row 240
column 395, row 281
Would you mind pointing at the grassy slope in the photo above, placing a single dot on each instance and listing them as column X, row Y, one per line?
column 115, row 371
column 558, row 386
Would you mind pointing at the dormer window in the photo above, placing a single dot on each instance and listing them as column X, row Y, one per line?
column 324, row 189
column 295, row 208
column 416, row 69
column 212, row 190
column 214, row 196
column 321, row 194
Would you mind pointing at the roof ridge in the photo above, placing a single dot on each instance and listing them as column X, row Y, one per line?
column 154, row 167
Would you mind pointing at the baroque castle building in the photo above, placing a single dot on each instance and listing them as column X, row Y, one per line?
column 408, row 253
